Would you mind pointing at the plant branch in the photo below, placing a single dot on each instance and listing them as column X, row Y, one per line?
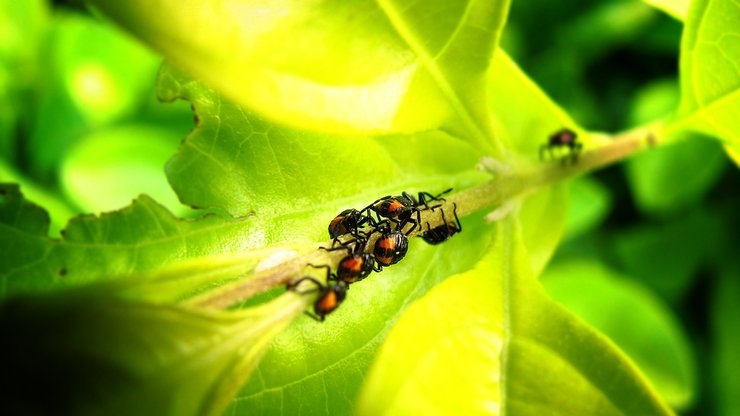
column 504, row 187
column 508, row 186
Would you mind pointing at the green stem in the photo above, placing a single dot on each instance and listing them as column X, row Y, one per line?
column 502, row 188
column 508, row 186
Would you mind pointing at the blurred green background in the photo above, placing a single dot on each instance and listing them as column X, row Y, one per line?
column 81, row 130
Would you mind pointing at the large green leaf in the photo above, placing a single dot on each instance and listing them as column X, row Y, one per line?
column 725, row 357
column 639, row 323
column 237, row 161
column 710, row 71
column 362, row 66
column 490, row 341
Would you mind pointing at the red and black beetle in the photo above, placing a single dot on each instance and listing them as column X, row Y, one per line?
column 330, row 297
column 390, row 248
column 443, row 232
column 404, row 209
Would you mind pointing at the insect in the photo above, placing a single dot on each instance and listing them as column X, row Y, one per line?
column 442, row 233
column 562, row 138
column 357, row 265
column 330, row 297
column 349, row 221
column 391, row 247
column 401, row 209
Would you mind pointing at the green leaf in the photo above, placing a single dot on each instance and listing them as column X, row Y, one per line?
column 543, row 220
column 490, row 341
column 524, row 116
column 107, row 169
column 137, row 239
column 657, row 100
column 59, row 210
column 725, row 357
column 236, row 161
column 643, row 327
column 92, row 351
column 20, row 214
column 673, row 178
column 667, row 257
column 217, row 166
column 311, row 366
column 588, row 205
column 660, row 182
column 381, row 67
column 94, row 76
column 710, row 71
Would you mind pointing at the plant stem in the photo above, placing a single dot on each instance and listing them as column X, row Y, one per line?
column 502, row 188
column 508, row 186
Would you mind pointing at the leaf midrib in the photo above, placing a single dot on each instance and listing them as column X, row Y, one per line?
column 429, row 62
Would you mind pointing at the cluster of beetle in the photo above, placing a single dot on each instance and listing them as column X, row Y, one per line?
column 392, row 215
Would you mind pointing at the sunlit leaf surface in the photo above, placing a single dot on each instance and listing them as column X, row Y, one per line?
column 338, row 66
column 710, row 70
column 498, row 344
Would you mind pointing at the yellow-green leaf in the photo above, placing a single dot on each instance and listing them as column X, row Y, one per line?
column 498, row 345
column 384, row 66
column 710, row 71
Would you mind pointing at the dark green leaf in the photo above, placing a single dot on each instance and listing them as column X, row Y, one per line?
column 94, row 76
column 670, row 179
column 725, row 356
column 667, row 257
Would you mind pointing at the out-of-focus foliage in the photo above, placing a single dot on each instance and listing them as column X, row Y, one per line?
column 75, row 94
column 631, row 317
